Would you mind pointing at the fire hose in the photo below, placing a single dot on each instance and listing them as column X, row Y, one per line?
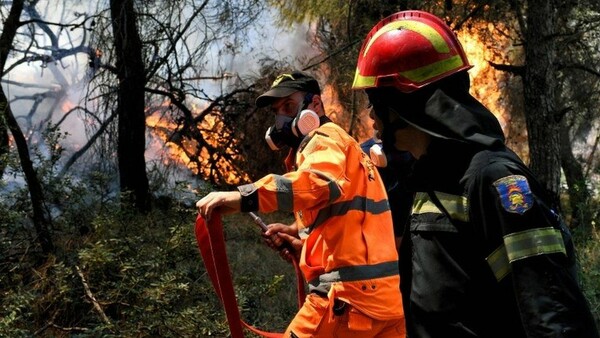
column 209, row 236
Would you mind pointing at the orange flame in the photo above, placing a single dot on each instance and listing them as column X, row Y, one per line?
column 485, row 43
column 483, row 78
column 212, row 129
column 488, row 85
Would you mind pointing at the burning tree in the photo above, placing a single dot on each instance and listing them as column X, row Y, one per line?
column 520, row 51
column 170, row 60
column 192, row 105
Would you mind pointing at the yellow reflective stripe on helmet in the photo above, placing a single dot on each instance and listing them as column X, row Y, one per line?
column 523, row 244
column 361, row 81
column 428, row 32
column 432, row 70
column 455, row 205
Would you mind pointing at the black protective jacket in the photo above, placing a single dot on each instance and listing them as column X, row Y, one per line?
column 485, row 254
column 400, row 199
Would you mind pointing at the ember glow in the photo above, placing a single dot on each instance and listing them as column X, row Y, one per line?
column 497, row 90
column 172, row 147
column 483, row 80
column 67, row 105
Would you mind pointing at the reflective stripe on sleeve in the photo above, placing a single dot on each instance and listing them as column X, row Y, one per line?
column 498, row 262
column 360, row 203
column 455, row 205
column 334, row 189
column 285, row 190
column 523, row 244
column 285, row 193
column 533, row 242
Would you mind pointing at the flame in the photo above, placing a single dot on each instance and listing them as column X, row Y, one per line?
column 483, row 80
column 179, row 149
column 490, row 86
column 163, row 128
column 484, row 43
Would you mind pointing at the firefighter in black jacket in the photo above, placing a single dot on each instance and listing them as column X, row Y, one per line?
column 485, row 254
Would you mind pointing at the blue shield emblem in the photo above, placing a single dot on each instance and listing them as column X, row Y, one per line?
column 515, row 195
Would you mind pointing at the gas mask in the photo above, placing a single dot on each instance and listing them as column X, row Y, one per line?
column 289, row 131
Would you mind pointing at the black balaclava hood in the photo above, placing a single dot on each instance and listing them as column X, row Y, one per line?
column 444, row 109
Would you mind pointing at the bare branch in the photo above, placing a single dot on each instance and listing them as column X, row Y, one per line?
column 86, row 146
column 333, row 54
column 470, row 15
column 49, row 23
column 595, row 72
column 90, row 296
column 516, row 70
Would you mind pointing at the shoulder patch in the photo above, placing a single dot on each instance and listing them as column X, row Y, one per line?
column 515, row 195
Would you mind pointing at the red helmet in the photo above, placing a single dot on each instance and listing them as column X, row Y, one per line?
column 408, row 50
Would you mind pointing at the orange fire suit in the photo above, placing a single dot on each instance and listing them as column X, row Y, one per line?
column 348, row 257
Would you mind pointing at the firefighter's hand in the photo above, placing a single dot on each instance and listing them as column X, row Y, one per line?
column 226, row 202
column 278, row 234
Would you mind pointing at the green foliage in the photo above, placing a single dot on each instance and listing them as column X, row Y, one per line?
column 588, row 249
column 299, row 10
column 16, row 306
column 146, row 277
column 133, row 275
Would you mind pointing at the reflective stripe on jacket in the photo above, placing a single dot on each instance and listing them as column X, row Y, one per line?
column 341, row 206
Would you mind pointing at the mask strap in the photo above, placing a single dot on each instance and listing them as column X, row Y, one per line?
column 307, row 100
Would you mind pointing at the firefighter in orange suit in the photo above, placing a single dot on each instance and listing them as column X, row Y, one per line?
column 342, row 218
column 485, row 253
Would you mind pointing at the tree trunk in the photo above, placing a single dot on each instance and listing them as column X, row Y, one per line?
column 6, row 39
column 539, row 93
column 130, row 105
column 40, row 221
column 4, row 145
column 578, row 193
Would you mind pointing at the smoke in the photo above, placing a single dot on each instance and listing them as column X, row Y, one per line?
column 242, row 54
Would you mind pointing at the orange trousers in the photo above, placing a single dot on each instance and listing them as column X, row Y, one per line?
column 316, row 319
